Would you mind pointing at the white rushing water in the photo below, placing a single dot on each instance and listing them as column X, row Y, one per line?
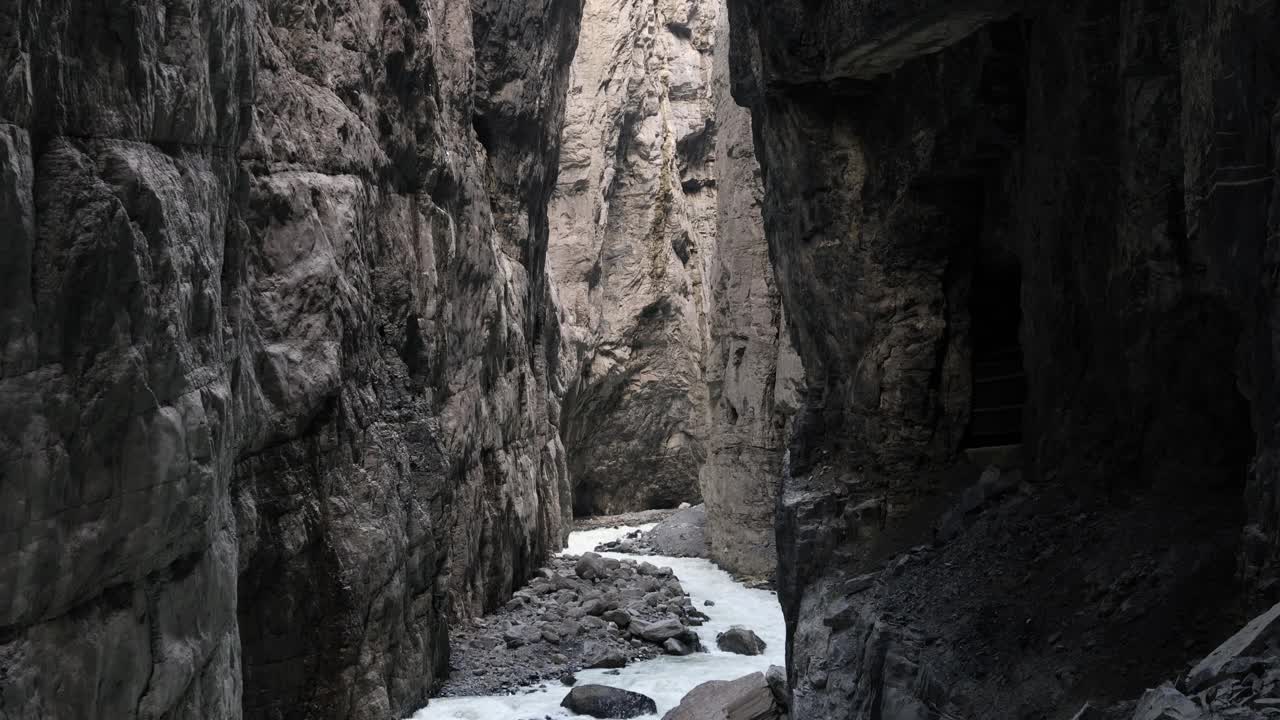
column 666, row 679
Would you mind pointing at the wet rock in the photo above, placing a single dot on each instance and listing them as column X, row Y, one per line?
column 747, row 698
column 659, row 631
column 602, row 701
column 600, row 656
column 740, row 640
column 672, row 646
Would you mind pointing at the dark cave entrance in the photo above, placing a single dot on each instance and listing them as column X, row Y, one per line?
column 999, row 378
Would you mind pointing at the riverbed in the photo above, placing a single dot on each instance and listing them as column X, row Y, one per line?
column 666, row 679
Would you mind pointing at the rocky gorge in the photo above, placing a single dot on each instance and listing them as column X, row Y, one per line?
column 680, row 379
column 277, row 391
column 1025, row 251
column 323, row 323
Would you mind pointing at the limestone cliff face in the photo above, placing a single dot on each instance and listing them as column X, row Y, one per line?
column 677, row 384
column 755, row 378
column 277, row 347
column 1045, row 225
column 632, row 230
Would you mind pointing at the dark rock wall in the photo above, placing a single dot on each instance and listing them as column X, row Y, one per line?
column 1114, row 163
column 275, row 350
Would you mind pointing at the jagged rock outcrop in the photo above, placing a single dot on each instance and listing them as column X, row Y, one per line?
column 1039, row 225
column 278, row 348
column 633, row 224
column 680, row 375
column 754, row 377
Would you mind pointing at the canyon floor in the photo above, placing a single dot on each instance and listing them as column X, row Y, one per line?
column 665, row 678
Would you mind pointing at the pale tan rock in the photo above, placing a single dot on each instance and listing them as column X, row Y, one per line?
column 632, row 226
column 753, row 374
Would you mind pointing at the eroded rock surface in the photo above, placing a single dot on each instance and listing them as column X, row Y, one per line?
column 680, row 375
column 633, row 223
column 1043, row 225
column 276, row 347
column 755, row 378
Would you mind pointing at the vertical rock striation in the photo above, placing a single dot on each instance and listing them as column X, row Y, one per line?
column 633, row 225
column 1039, row 225
column 119, row 436
column 754, row 376
column 277, row 347
column 679, row 380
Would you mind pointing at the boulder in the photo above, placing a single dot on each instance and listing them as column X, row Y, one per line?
column 518, row 635
column 602, row 701
column 619, row 617
column 1166, row 703
column 681, row 535
column 1261, row 637
column 674, row 647
column 591, row 567
column 602, row 656
column 740, row 640
column 747, row 698
column 776, row 676
column 658, row 631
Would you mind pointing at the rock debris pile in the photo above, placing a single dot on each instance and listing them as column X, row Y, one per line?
column 579, row 612
column 681, row 534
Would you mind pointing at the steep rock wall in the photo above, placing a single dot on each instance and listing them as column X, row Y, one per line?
column 277, row 347
column 677, row 383
column 633, row 225
column 754, row 377
column 958, row 194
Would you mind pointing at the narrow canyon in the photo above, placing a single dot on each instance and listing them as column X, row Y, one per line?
column 681, row 359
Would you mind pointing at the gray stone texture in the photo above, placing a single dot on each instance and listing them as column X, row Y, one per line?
column 755, row 378
column 1117, row 161
column 277, row 351
column 680, row 379
column 747, row 698
column 632, row 225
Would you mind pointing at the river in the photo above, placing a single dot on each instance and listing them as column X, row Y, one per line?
column 666, row 679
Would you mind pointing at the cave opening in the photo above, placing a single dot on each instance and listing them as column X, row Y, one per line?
column 998, row 375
